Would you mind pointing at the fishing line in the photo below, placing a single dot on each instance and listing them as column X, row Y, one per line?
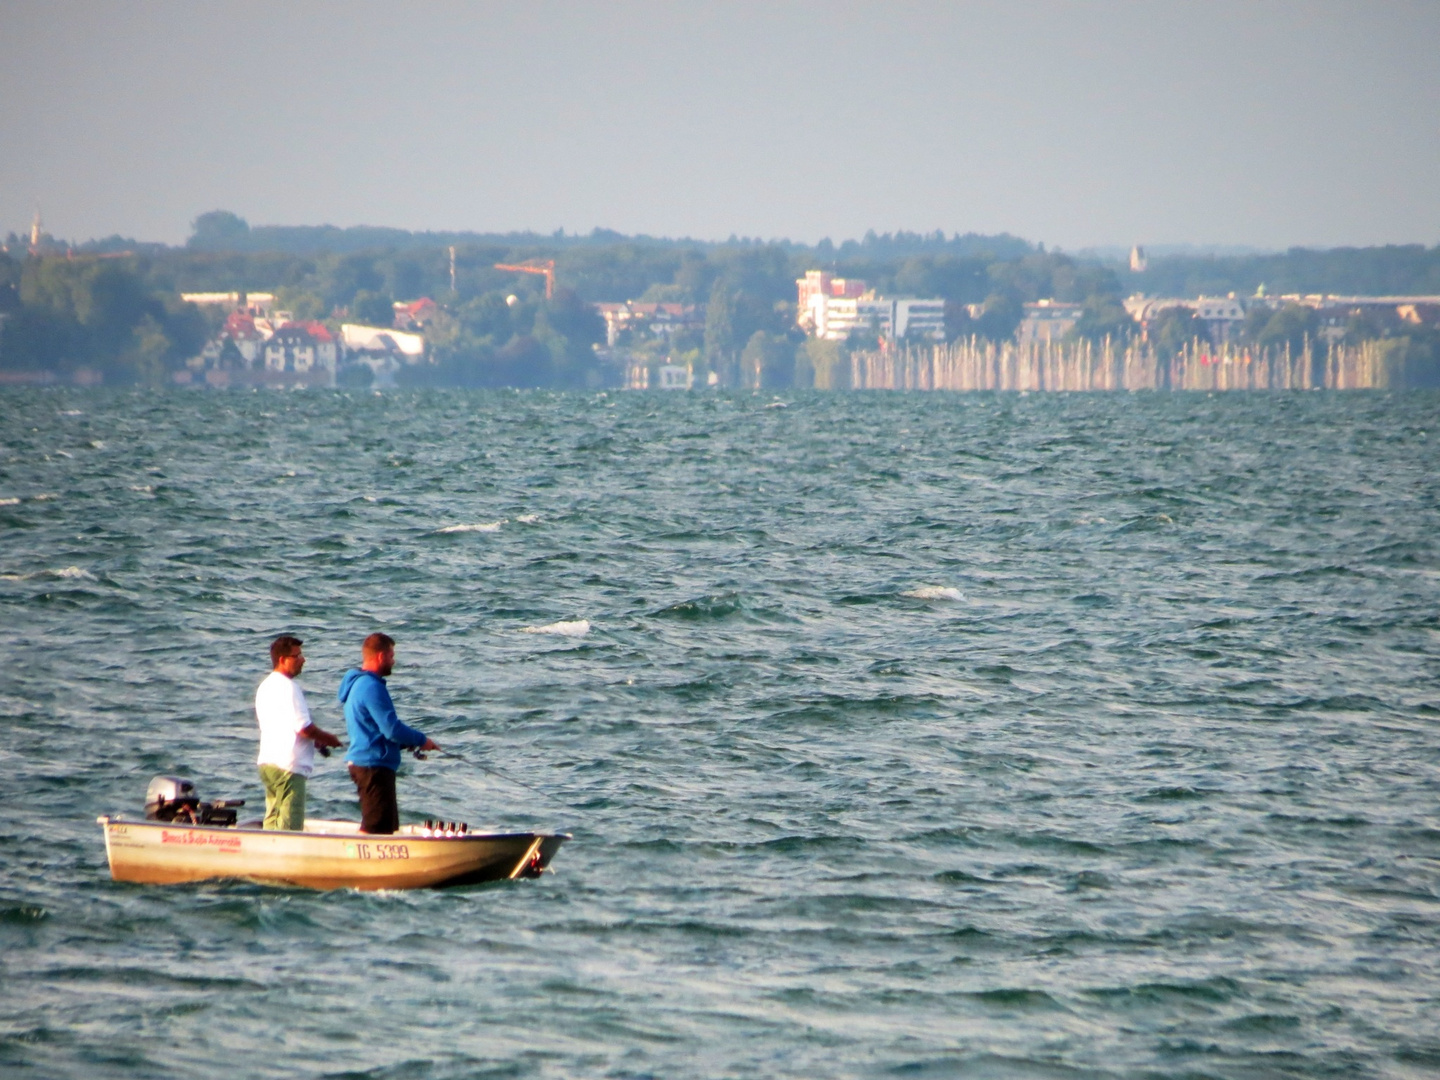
column 502, row 775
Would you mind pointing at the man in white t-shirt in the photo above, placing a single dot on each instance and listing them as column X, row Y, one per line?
column 288, row 737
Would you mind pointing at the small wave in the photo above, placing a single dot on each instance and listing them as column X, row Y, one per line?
column 144, row 489
column 528, row 519
column 778, row 405
column 575, row 628
column 482, row 526
column 371, row 498
column 46, row 496
column 719, row 606
column 71, row 412
column 934, row 592
column 62, row 453
column 69, row 572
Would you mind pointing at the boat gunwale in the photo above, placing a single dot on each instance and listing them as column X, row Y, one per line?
column 106, row 820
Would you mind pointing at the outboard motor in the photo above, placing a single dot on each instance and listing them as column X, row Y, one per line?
column 172, row 798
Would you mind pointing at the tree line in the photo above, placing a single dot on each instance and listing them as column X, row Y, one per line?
column 113, row 305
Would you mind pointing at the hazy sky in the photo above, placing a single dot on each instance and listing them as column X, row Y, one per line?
column 1263, row 122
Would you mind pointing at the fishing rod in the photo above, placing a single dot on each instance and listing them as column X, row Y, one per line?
column 420, row 755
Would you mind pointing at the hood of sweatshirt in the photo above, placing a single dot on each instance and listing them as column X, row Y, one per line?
column 348, row 682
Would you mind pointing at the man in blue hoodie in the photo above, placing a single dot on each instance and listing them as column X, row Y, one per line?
column 376, row 735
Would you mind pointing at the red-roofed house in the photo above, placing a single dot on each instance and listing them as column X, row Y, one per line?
column 414, row 313
column 301, row 348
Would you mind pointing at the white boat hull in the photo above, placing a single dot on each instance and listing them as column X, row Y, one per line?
column 327, row 855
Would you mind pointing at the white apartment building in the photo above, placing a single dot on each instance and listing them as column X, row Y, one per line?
column 835, row 318
column 923, row 319
column 834, row 308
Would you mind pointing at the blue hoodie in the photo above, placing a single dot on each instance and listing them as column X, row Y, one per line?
column 376, row 733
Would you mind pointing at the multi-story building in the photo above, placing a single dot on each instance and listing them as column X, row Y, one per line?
column 1048, row 320
column 1223, row 315
column 818, row 290
column 661, row 320
column 835, row 318
column 923, row 319
column 301, row 348
column 833, row 308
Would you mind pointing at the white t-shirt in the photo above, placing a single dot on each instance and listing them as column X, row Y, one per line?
column 282, row 713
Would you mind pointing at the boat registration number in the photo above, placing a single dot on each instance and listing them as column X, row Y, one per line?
column 379, row 851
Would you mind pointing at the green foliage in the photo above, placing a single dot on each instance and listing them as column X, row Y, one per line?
column 1174, row 329
column 219, row 230
column 9, row 284
column 1000, row 318
column 1059, row 277
column 768, row 361
column 372, row 308
column 825, row 365
column 1104, row 317
column 486, row 342
column 97, row 313
column 301, row 303
column 720, row 327
column 1412, row 360
column 1291, row 325
column 1376, row 271
column 1369, row 324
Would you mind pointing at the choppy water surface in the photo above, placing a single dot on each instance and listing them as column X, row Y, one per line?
column 911, row 735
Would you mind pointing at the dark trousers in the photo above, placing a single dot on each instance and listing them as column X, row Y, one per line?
column 379, row 812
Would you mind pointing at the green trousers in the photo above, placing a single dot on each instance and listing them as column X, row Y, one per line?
column 284, row 798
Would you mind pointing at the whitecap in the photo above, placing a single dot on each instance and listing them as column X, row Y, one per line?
column 934, row 592
column 72, row 572
column 575, row 628
column 97, row 444
column 45, row 496
column 371, row 498
column 777, row 405
column 528, row 519
column 483, row 526
column 144, row 489
column 62, row 453
column 9, row 502
column 71, row 412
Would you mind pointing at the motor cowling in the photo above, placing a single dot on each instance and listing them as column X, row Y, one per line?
column 173, row 798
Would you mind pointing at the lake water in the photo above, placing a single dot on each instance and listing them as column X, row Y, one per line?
column 914, row 736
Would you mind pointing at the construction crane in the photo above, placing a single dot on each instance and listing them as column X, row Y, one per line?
column 535, row 266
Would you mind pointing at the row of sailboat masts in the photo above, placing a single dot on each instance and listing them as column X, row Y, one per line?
column 974, row 364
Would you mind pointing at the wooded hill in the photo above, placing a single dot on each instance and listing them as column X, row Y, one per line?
column 112, row 305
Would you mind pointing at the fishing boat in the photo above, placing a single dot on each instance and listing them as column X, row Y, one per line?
column 182, row 839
